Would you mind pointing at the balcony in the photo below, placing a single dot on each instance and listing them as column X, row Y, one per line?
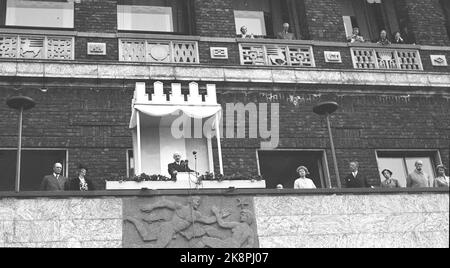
column 276, row 55
column 194, row 58
column 386, row 59
column 158, row 51
column 37, row 47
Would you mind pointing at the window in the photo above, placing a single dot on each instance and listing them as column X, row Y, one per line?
column 446, row 10
column 35, row 13
column 266, row 17
column 35, row 165
column 371, row 16
column 401, row 163
column 130, row 163
column 169, row 16
column 279, row 167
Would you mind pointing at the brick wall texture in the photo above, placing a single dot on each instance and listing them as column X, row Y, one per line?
column 92, row 124
column 424, row 19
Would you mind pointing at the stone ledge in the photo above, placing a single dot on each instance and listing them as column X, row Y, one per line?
column 225, row 192
column 249, row 74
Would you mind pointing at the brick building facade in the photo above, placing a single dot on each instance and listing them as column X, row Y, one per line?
column 395, row 113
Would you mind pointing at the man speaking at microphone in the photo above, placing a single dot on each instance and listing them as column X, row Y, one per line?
column 178, row 166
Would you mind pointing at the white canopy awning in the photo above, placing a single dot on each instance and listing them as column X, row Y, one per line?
column 198, row 112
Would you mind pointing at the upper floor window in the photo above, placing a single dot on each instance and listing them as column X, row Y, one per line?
column 169, row 16
column 402, row 163
column 36, row 13
column 265, row 18
column 370, row 16
column 446, row 10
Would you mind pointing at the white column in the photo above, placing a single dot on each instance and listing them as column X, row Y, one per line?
column 210, row 153
column 219, row 147
column 139, row 148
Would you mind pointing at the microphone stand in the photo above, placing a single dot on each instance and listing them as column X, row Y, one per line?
column 195, row 168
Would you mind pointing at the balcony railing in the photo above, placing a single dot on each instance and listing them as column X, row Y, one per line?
column 276, row 55
column 388, row 59
column 37, row 47
column 139, row 50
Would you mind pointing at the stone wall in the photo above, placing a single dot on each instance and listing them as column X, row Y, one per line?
column 353, row 221
column 295, row 220
column 61, row 222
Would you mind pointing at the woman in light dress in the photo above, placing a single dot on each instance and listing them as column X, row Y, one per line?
column 303, row 182
column 441, row 180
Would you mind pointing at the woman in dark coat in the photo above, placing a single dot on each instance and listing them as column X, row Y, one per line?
column 80, row 183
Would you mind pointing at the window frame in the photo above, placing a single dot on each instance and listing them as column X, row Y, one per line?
column 3, row 18
column 325, row 179
column 190, row 20
column 433, row 154
column 127, row 152
column 66, row 160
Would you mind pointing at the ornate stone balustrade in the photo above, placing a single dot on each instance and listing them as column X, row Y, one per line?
column 276, row 55
column 37, row 47
column 140, row 50
column 387, row 59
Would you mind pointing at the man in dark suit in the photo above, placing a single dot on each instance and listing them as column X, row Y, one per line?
column 178, row 166
column 355, row 179
column 54, row 182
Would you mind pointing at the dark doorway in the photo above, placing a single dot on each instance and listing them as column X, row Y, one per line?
column 35, row 165
column 279, row 167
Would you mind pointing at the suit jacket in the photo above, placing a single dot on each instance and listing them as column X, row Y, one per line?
column 179, row 168
column 286, row 36
column 74, row 184
column 358, row 182
column 50, row 183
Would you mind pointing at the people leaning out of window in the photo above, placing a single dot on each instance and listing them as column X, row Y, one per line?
column 303, row 182
column 356, row 179
column 356, row 36
column 57, row 182
column 441, row 179
column 389, row 181
column 244, row 33
column 419, row 178
column 285, row 34
column 383, row 39
column 80, row 182
column 398, row 39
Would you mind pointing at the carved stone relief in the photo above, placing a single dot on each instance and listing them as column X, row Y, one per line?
column 189, row 222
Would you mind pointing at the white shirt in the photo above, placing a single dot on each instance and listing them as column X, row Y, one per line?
column 354, row 174
column 304, row 183
column 56, row 175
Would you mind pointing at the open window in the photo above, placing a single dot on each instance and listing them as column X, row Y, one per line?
column 265, row 18
column 35, row 165
column 36, row 13
column 371, row 16
column 279, row 167
column 401, row 163
column 168, row 16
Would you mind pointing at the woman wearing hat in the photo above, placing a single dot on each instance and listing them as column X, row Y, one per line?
column 441, row 180
column 80, row 183
column 389, row 182
column 302, row 182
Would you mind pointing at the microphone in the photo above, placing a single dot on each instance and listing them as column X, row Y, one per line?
column 194, row 153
